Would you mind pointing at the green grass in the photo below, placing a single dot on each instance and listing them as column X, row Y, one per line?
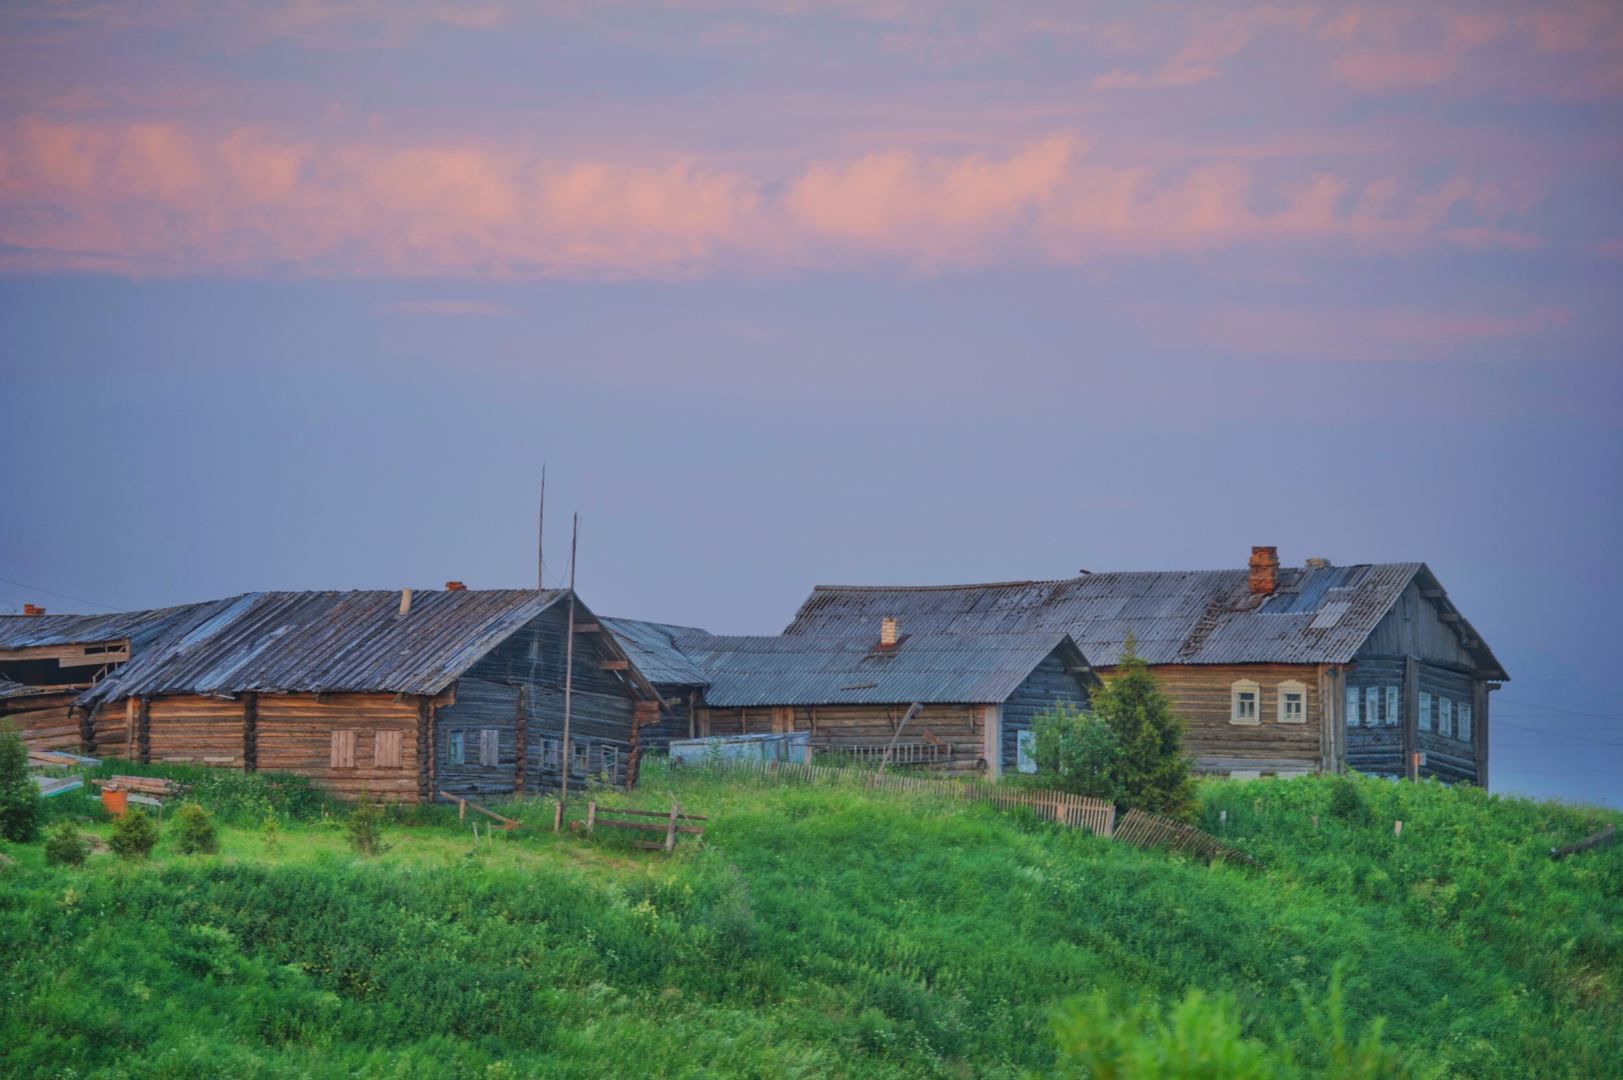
column 819, row 931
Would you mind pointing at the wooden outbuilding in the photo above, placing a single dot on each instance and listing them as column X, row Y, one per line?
column 397, row 695
column 957, row 703
column 678, row 679
column 1275, row 670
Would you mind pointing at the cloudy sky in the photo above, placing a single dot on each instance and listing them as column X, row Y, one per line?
column 301, row 295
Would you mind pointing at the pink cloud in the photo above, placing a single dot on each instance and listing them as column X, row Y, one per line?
column 156, row 198
column 1373, row 69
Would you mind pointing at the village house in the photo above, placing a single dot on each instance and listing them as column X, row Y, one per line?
column 395, row 695
column 957, row 703
column 1275, row 670
column 678, row 679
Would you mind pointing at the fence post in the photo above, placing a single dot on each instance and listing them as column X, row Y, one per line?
column 670, row 833
column 591, row 815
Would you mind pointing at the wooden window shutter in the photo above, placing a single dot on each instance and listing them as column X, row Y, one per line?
column 489, row 747
column 386, row 749
column 343, row 749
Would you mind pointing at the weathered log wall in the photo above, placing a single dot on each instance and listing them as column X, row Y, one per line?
column 1201, row 695
column 45, row 721
column 836, row 727
column 295, row 733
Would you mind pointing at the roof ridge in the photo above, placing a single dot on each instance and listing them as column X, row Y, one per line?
column 1083, row 577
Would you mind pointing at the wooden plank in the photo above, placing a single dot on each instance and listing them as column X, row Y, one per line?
column 613, row 665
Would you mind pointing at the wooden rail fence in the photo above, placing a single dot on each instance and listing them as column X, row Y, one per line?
column 1153, row 831
column 671, row 824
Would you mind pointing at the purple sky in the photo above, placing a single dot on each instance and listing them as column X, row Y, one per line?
column 300, row 295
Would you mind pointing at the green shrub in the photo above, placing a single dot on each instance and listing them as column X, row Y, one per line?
column 64, row 846
column 134, row 835
column 19, row 797
column 194, row 831
column 1151, row 772
column 1347, row 801
column 270, row 830
column 1076, row 752
column 364, row 827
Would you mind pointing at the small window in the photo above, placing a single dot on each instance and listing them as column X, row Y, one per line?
column 1025, row 747
column 1465, row 721
column 1446, row 722
column 1292, row 703
column 1373, row 700
column 489, row 747
column 459, row 747
column 386, row 749
column 1244, row 703
column 343, row 749
column 1428, row 715
column 1391, row 706
column 608, row 762
column 580, row 757
column 1355, row 702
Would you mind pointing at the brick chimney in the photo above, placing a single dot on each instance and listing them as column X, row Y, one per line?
column 33, row 609
column 887, row 631
column 455, row 586
column 1264, row 570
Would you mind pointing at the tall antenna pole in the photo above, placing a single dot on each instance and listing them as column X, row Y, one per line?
column 569, row 664
column 541, row 534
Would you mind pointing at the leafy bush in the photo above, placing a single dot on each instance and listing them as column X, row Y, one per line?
column 19, row 797
column 1151, row 771
column 364, row 827
column 64, row 846
column 270, row 831
column 134, row 835
column 1347, row 801
column 1077, row 752
column 194, row 831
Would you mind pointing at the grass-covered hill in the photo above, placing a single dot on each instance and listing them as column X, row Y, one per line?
column 824, row 931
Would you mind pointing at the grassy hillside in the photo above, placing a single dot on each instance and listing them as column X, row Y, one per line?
column 824, row 931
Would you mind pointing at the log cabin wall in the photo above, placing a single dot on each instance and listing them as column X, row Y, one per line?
column 834, row 727
column 347, row 744
column 191, row 730
column 603, row 702
column 1202, row 694
column 45, row 721
column 1049, row 685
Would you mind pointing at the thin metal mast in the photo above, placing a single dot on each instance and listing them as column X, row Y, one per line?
column 569, row 664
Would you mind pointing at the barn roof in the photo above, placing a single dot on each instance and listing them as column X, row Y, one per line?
column 746, row 672
column 35, row 631
column 652, row 647
column 311, row 642
column 1315, row 615
column 9, row 689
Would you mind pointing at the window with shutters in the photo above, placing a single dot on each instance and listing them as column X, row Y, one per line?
column 1465, row 721
column 343, row 749
column 1445, row 716
column 608, row 762
column 490, row 747
column 386, row 749
column 1391, row 706
column 1428, row 715
column 1245, row 701
column 1292, row 703
column 581, row 756
column 1354, row 704
column 1373, row 700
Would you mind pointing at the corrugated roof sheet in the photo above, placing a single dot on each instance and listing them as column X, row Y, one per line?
column 1317, row 615
column 309, row 642
column 9, row 689
column 652, row 647
column 748, row 672
column 34, row 631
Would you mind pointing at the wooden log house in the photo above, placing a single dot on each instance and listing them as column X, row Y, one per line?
column 678, row 679
column 955, row 703
column 395, row 695
column 1275, row 670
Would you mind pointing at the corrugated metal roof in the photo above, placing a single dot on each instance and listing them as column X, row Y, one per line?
column 1317, row 615
column 309, row 642
column 34, row 631
column 652, row 647
column 748, row 672
column 9, row 689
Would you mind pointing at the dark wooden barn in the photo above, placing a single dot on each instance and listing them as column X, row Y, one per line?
column 959, row 703
column 397, row 695
column 678, row 679
column 1275, row 670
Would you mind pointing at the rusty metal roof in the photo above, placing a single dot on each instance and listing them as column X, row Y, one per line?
column 652, row 647
column 1316, row 615
column 137, row 627
column 750, row 672
column 311, row 642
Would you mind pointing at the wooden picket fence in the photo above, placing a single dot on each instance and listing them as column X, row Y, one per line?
column 1072, row 811
column 1151, row 831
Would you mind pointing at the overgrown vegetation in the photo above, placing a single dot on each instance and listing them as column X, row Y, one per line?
column 364, row 826
column 19, row 798
column 830, row 931
column 134, row 835
column 1076, row 752
column 194, row 831
column 64, row 846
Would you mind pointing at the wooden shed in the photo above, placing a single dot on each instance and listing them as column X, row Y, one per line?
column 678, row 679
column 1275, row 670
column 397, row 695
column 957, row 703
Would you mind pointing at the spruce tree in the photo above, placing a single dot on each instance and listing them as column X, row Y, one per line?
column 19, row 797
column 1152, row 773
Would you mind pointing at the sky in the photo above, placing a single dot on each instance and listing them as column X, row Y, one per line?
column 302, row 295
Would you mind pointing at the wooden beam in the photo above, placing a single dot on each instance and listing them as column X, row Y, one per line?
column 1448, row 616
column 80, row 655
column 613, row 665
column 1411, row 716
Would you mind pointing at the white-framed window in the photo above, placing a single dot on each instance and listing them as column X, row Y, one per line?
column 1025, row 751
column 1391, row 706
column 1445, row 716
column 1355, row 699
column 1245, row 703
column 1373, row 700
column 1292, row 703
column 1428, row 715
column 1465, row 720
